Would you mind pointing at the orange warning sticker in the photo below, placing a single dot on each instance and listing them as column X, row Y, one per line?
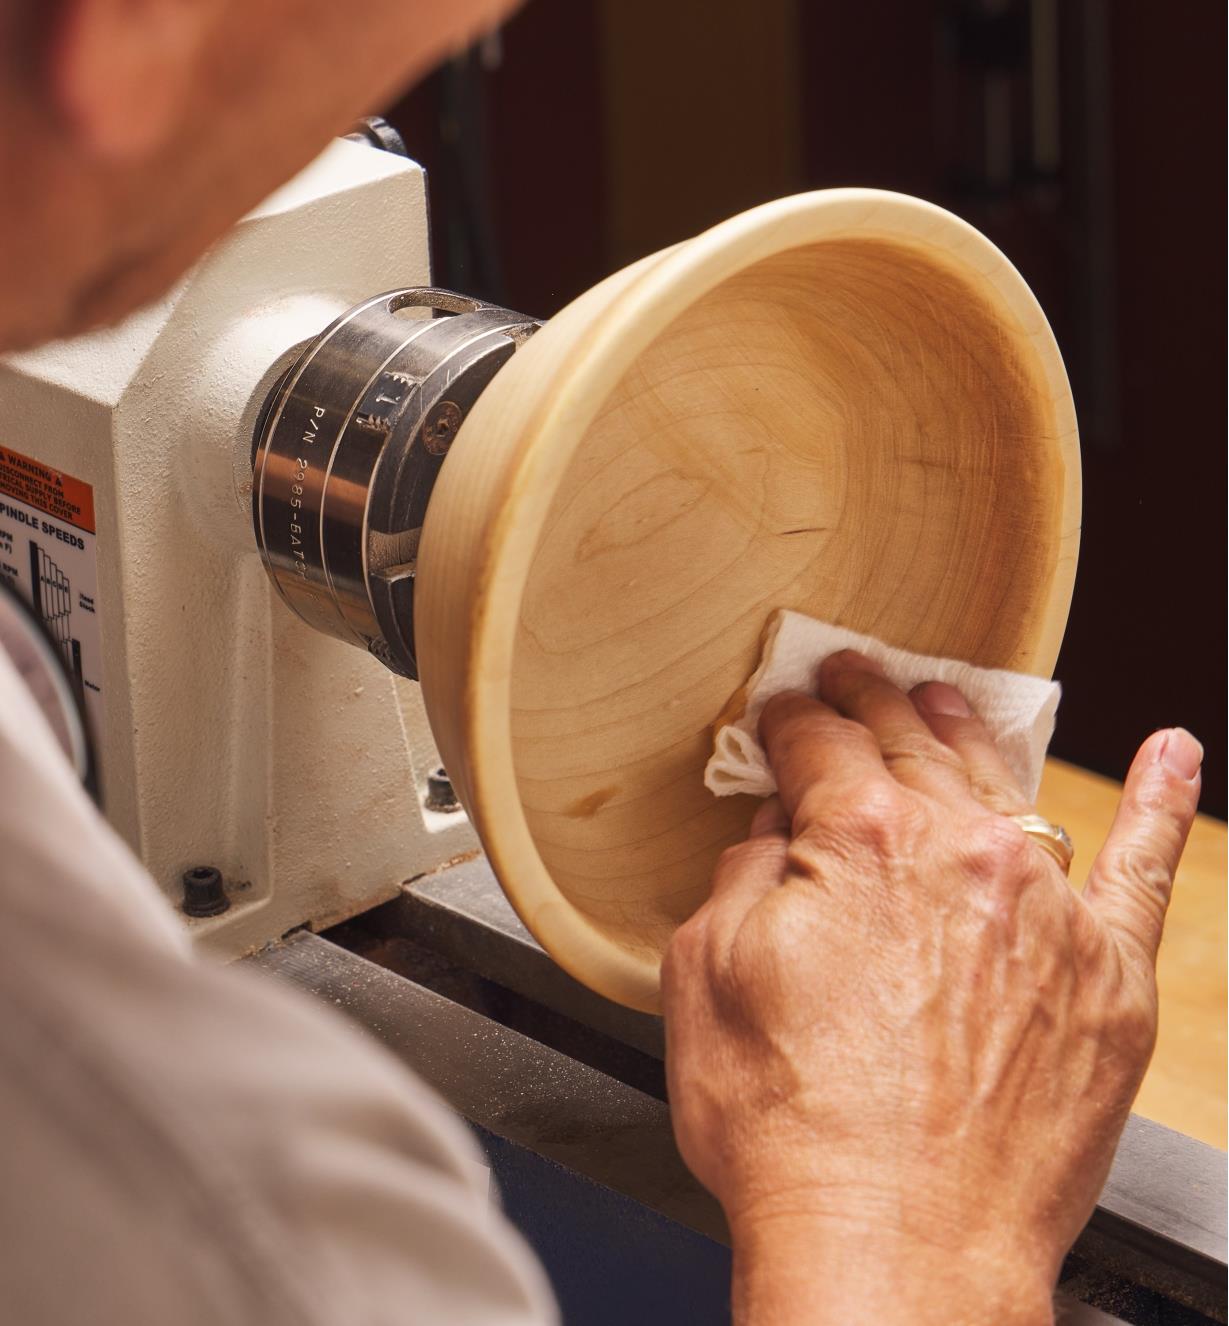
column 52, row 491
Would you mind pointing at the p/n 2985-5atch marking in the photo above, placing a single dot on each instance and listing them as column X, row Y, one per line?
column 310, row 434
column 48, row 554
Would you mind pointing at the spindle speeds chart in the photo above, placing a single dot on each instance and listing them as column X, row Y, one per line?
column 48, row 554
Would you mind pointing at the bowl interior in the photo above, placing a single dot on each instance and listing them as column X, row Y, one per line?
column 851, row 429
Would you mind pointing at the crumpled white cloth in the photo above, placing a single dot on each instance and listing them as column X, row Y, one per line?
column 1018, row 709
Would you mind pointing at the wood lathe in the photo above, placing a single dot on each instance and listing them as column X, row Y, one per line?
column 214, row 503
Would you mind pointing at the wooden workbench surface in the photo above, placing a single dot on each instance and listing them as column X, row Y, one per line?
column 1185, row 1086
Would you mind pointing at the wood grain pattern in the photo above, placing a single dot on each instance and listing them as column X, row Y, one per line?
column 846, row 403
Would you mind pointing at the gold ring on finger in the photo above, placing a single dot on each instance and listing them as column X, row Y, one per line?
column 1052, row 838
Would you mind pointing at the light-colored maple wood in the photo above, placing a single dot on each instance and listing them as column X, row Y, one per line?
column 1185, row 1085
column 847, row 403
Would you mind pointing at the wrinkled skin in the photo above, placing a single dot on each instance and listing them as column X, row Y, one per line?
column 900, row 1044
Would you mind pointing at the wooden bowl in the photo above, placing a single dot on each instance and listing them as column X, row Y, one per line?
column 847, row 403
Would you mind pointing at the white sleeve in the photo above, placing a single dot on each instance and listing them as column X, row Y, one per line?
column 195, row 1144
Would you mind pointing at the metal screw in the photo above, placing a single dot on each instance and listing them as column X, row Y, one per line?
column 438, row 432
column 440, row 793
column 203, row 892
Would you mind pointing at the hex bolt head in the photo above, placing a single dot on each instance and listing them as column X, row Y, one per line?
column 204, row 894
column 440, row 793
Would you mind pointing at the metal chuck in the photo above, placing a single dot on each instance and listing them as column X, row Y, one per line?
column 348, row 449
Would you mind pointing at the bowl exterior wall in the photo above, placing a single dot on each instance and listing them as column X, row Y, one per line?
column 497, row 487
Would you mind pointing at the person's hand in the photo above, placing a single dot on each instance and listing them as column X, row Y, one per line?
column 900, row 1046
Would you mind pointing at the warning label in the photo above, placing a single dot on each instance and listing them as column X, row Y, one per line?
column 37, row 485
column 47, row 554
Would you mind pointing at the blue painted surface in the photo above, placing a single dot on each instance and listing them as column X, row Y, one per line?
column 611, row 1260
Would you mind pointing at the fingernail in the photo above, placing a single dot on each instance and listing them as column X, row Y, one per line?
column 1180, row 753
column 791, row 694
column 853, row 661
column 937, row 697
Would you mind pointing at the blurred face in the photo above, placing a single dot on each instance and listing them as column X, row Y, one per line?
column 133, row 133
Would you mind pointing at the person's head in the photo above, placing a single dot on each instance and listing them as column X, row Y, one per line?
column 134, row 132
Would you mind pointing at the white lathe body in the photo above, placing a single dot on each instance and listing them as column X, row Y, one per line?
column 303, row 783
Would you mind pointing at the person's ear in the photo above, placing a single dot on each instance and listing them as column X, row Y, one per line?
column 122, row 71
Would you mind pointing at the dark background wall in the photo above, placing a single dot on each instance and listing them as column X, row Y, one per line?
column 1085, row 137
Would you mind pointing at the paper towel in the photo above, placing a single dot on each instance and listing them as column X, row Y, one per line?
column 1017, row 709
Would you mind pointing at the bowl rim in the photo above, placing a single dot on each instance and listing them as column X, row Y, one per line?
column 641, row 305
